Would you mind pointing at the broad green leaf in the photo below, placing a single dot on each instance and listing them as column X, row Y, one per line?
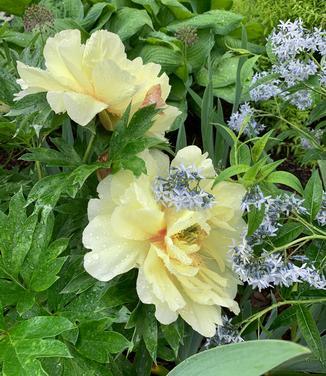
column 231, row 171
column 97, row 15
column 322, row 168
column 199, row 51
column 129, row 21
column 74, row 9
column 220, row 21
column 178, row 10
column 310, row 332
column 168, row 58
column 24, row 343
column 151, row 6
column 48, row 265
column 313, row 194
column 285, row 178
column 96, row 342
column 50, row 157
column 41, row 327
column 46, row 192
column 14, row 7
column 253, row 358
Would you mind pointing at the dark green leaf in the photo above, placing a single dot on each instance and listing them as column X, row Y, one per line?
column 313, row 194
column 310, row 332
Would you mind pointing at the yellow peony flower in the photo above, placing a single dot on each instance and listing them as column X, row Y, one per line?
column 85, row 79
column 181, row 254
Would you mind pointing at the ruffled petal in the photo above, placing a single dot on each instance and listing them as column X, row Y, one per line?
column 192, row 156
column 102, row 46
column 63, row 58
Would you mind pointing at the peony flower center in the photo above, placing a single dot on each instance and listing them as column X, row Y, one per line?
column 191, row 235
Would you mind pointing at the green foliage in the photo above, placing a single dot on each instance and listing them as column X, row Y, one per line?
column 253, row 358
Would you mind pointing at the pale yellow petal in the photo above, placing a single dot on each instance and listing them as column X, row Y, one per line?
column 162, row 311
column 37, row 79
column 137, row 223
column 82, row 108
column 192, row 156
column 102, row 46
column 229, row 194
column 161, row 281
column 113, row 86
column 63, row 59
column 56, row 101
column 202, row 318
column 163, row 121
column 110, row 255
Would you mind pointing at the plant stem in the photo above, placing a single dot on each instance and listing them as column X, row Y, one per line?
column 89, row 148
column 261, row 313
column 38, row 170
column 304, row 238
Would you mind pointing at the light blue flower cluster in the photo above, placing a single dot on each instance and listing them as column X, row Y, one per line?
column 274, row 209
column 225, row 334
column 270, row 269
column 293, row 47
column 182, row 190
column 244, row 121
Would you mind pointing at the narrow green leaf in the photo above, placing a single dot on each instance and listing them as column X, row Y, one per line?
column 259, row 146
column 313, row 194
column 310, row 332
column 231, row 171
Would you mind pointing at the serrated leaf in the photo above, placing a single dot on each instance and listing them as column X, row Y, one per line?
column 16, row 234
column 310, row 333
column 313, row 194
column 41, row 327
column 145, row 324
column 24, row 343
column 96, row 342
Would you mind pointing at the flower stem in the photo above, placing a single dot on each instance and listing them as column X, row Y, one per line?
column 89, row 148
